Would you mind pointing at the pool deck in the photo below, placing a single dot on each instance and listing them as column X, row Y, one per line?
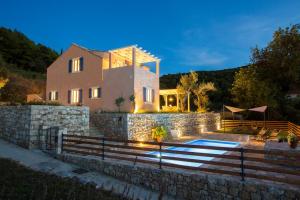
column 244, row 140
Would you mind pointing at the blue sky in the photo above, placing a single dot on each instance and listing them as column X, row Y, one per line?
column 186, row 35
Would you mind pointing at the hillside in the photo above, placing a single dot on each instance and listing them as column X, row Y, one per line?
column 20, row 52
column 24, row 63
column 222, row 79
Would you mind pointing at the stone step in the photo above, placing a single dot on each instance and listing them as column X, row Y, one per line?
column 93, row 131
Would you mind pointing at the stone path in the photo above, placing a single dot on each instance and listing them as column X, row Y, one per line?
column 40, row 161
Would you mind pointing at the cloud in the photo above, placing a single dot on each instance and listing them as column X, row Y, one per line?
column 194, row 56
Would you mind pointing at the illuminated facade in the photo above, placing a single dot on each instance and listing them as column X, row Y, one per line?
column 97, row 78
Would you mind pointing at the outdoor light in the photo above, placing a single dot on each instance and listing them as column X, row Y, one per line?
column 202, row 128
column 218, row 126
column 171, row 99
column 179, row 133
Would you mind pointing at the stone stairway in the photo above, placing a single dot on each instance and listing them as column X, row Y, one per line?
column 93, row 130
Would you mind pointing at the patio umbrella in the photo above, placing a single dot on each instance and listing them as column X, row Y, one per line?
column 261, row 109
column 232, row 110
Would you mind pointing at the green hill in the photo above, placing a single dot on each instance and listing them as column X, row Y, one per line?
column 24, row 63
column 21, row 53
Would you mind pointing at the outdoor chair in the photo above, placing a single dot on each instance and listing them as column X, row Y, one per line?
column 262, row 135
column 273, row 135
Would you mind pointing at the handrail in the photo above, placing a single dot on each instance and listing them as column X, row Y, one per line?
column 237, row 162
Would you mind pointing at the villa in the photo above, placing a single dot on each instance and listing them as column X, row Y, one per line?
column 94, row 78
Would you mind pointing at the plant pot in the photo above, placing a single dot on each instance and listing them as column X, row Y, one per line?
column 159, row 139
column 293, row 144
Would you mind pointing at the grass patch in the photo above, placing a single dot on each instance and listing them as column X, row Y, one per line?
column 18, row 183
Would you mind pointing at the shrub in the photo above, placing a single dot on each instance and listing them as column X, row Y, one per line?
column 292, row 140
column 282, row 136
column 49, row 103
column 119, row 101
column 159, row 133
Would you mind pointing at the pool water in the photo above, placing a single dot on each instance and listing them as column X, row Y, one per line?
column 217, row 143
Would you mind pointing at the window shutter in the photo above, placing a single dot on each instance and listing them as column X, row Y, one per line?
column 90, row 93
column 144, row 94
column 153, row 96
column 81, row 63
column 70, row 66
column 99, row 92
column 56, row 95
column 49, row 96
column 69, row 96
column 80, row 96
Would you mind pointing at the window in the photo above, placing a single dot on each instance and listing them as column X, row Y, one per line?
column 53, row 95
column 95, row 92
column 76, row 65
column 75, row 96
column 148, row 95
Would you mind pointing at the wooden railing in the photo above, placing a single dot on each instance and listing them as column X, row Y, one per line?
column 294, row 128
column 281, row 125
column 237, row 161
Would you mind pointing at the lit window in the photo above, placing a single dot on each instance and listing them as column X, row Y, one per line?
column 53, row 95
column 76, row 65
column 75, row 96
column 148, row 95
column 95, row 92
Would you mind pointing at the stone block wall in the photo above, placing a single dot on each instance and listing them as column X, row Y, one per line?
column 186, row 184
column 138, row 126
column 21, row 124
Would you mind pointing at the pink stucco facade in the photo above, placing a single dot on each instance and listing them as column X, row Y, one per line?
column 98, row 71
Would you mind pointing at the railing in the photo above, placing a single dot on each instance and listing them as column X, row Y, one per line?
column 294, row 128
column 236, row 161
column 281, row 125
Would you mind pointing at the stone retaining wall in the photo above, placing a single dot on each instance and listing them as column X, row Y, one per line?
column 184, row 184
column 21, row 124
column 138, row 126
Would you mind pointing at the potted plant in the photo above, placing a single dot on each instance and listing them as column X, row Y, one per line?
column 119, row 101
column 282, row 136
column 159, row 133
column 292, row 140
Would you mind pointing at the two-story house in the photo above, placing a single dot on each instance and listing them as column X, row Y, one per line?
column 97, row 78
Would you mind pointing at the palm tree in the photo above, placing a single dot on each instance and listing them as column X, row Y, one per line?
column 201, row 93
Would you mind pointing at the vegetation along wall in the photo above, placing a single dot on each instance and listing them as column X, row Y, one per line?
column 139, row 126
column 21, row 124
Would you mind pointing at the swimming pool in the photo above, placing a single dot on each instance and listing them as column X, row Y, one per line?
column 204, row 142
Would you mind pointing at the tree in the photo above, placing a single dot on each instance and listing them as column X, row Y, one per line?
column 181, row 98
column 119, row 101
column 248, row 91
column 279, row 62
column 187, row 83
column 274, row 70
column 23, row 53
column 202, row 99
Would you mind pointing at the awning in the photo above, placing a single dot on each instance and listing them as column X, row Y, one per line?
column 234, row 110
column 259, row 109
